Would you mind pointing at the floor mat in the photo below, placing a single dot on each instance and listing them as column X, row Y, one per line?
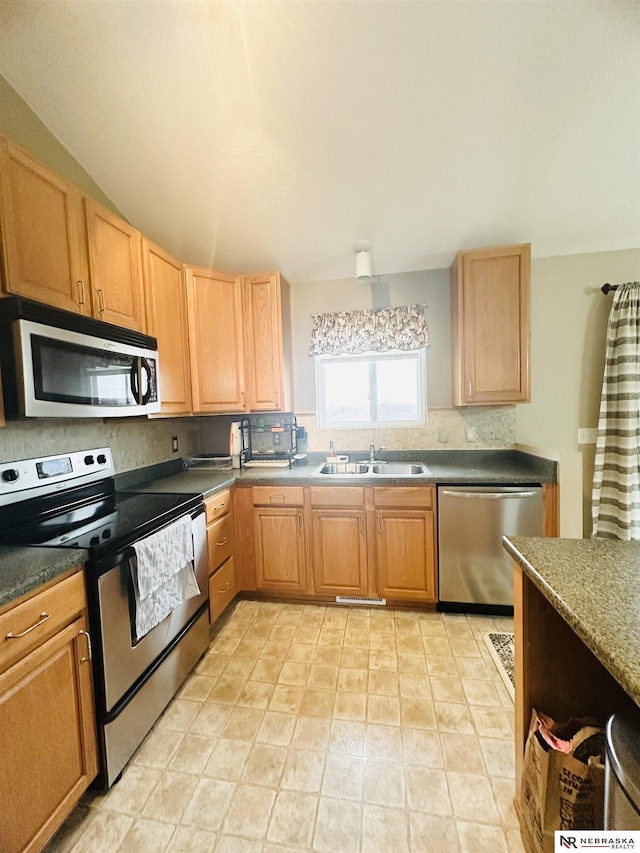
column 501, row 648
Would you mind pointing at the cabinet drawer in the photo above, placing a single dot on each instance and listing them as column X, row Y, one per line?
column 222, row 589
column 53, row 608
column 337, row 496
column 217, row 505
column 410, row 496
column 278, row 496
column 221, row 540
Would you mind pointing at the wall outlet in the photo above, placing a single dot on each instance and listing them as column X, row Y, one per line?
column 443, row 436
column 587, row 435
column 470, row 433
column 174, row 443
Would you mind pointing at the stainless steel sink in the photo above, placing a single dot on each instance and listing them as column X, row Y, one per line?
column 400, row 469
column 341, row 469
column 376, row 469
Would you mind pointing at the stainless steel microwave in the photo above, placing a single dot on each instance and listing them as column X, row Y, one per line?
column 56, row 364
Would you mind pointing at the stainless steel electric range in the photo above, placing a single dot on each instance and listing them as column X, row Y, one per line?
column 69, row 501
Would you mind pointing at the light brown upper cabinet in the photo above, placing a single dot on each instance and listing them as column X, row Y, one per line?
column 166, row 309
column 214, row 303
column 490, row 306
column 44, row 252
column 267, row 338
column 115, row 264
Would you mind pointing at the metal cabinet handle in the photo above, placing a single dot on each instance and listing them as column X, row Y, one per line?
column 43, row 618
column 379, row 524
column 101, row 306
column 277, row 400
column 222, row 591
column 469, row 388
column 361, row 524
column 84, row 659
column 224, row 542
column 299, row 521
column 222, row 506
column 278, row 499
column 80, row 284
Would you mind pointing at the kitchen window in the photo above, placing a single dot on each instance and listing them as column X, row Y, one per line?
column 382, row 389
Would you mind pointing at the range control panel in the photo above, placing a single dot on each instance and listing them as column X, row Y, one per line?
column 30, row 478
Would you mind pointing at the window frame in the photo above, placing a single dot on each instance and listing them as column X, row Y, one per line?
column 419, row 355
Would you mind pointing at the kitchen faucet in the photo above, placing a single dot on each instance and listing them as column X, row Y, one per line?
column 373, row 451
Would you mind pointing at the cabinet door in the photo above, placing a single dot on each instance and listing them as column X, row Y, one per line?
column 279, row 549
column 115, row 262
column 406, row 554
column 44, row 253
column 340, row 552
column 215, row 337
column 266, row 315
column 46, row 703
column 166, row 307
column 491, row 325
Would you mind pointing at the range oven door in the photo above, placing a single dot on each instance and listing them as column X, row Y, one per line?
column 65, row 373
column 124, row 661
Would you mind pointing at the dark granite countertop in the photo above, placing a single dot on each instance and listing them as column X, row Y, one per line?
column 23, row 570
column 594, row 584
column 495, row 467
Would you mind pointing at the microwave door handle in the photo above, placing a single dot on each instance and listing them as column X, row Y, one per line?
column 134, row 378
column 144, row 365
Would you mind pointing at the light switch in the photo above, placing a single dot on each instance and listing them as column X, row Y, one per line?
column 587, row 435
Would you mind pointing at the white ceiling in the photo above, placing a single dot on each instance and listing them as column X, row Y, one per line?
column 260, row 135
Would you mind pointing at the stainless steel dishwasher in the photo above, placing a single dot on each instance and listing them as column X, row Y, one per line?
column 474, row 571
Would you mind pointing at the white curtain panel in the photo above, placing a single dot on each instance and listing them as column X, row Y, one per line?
column 616, row 480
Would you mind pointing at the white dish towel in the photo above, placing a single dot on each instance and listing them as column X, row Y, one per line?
column 162, row 573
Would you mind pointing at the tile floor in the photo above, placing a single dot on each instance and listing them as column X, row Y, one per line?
column 312, row 728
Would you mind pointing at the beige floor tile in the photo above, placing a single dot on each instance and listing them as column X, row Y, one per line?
column 384, row 710
column 454, row 717
column 347, row 737
column 384, row 829
column 191, row 839
column 311, row 733
column 343, row 777
column 472, row 797
column 286, row 698
column 384, row 783
column 422, row 748
column 132, row 791
column 169, row 798
column 266, row 670
column 323, row 676
column 350, row 706
column 317, row 702
column 462, row 753
column 276, row 728
column 431, row 834
column 293, row 819
column 243, row 723
column 475, row 838
column 192, row 754
column 286, row 739
column 209, row 803
column 227, row 759
column 383, row 743
column 158, row 747
column 303, row 771
column 427, row 790
column 249, row 811
column 338, row 827
column 264, row 764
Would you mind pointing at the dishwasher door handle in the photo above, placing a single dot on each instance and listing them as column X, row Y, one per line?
column 488, row 496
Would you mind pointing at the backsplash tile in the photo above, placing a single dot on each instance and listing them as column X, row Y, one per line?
column 134, row 442
column 495, row 427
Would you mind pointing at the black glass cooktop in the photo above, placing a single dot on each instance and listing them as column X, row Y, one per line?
column 102, row 523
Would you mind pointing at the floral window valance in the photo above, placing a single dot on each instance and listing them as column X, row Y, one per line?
column 373, row 330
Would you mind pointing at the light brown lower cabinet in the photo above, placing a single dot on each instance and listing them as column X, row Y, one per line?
column 223, row 587
column 340, row 565
column 47, row 718
column 279, row 548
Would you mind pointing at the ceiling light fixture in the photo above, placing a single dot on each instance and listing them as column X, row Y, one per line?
column 363, row 260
